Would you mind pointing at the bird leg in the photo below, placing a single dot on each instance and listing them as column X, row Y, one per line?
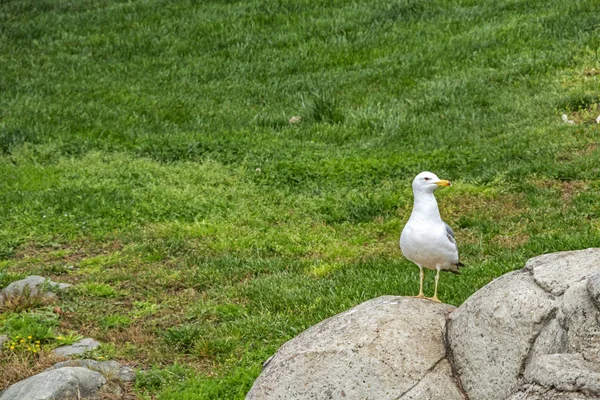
column 437, row 278
column 422, row 275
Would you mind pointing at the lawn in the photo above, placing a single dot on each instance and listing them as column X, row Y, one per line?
column 146, row 156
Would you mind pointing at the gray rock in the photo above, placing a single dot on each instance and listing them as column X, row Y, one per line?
column 78, row 348
column 582, row 320
column 386, row 348
column 593, row 288
column 565, row 372
column 63, row 383
column 437, row 384
column 552, row 339
column 33, row 286
column 531, row 334
column 110, row 369
column 3, row 339
column 491, row 334
column 557, row 271
column 532, row 391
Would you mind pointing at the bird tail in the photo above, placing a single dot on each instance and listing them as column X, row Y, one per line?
column 456, row 269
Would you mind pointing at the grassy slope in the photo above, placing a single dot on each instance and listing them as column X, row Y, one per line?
column 146, row 144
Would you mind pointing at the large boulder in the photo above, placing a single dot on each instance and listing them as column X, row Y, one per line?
column 64, row 383
column 386, row 348
column 531, row 334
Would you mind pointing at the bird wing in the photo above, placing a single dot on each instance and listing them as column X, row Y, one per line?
column 450, row 235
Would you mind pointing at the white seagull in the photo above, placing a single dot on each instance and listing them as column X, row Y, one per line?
column 426, row 240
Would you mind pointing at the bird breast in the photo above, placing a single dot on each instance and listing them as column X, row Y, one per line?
column 427, row 245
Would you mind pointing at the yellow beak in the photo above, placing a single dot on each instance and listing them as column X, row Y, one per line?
column 443, row 183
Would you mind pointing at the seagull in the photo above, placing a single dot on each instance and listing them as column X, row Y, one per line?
column 426, row 240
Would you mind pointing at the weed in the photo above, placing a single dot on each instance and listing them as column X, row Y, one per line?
column 98, row 289
column 68, row 339
column 115, row 322
column 183, row 337
column 323, row 107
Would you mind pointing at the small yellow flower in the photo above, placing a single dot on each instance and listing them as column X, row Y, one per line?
column 12, row 347
column 28, row 348
column 22, row 340
column 29, row 337
column 37, row 341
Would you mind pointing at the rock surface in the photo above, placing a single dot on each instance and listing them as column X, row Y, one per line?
column 110, row 369
column 508, row 339
column 565, row 372
column 531, row 334
column 77, row 348
column 63, row 383
column 593, row 288
column 498, row 322
column 3, row 339
column 386, row 348
column 33, row 286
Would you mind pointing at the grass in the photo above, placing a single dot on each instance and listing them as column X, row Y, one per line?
column 146, row 157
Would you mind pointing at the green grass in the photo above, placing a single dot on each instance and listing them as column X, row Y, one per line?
column 146, row 156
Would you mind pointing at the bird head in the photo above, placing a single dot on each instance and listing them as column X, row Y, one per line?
column 428, row 182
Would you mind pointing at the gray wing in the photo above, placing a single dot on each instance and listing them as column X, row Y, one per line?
column 450, row 235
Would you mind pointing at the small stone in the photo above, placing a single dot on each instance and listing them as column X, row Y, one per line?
column 33, row 286
column 80, row 347
column 63, row 383
column 295, row 119
column 110, row 369
column 566, row 120
column 3, row 339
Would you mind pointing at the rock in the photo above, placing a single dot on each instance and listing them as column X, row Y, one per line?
column 593, row 288
column 532, row 391
column 33, row 286
column 582, row 320
column 437, row 384
column 565, row 372
column 552, row 339
column 63, row 383
column 3, row 339
column 491, row 333
column 78, row 348
column 386, row 348
column 110, row 369
column 531, row 334
column 556, row 272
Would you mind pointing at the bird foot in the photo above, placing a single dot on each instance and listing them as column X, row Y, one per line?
column 434, row 298
column 419, row 296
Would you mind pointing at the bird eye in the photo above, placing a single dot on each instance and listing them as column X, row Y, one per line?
column 427, row 178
